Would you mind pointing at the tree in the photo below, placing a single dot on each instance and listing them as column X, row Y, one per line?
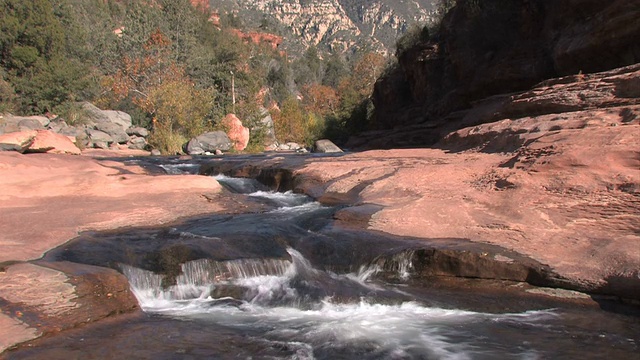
column 366, row 72
column 290, row 122
column 320, row 99
column 32, row 44
column 158, row 85
column 335, row 71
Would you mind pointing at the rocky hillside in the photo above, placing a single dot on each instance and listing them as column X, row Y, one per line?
column 339, row 25
column 507, row 48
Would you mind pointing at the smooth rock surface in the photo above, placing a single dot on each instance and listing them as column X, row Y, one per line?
column 50, row 142
column 326, row 146
column 17, row 141
column 238, row 134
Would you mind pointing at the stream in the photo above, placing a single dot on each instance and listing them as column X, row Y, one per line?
column 283, row 282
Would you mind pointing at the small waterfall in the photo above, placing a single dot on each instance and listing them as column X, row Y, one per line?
column 199, row 278
column 398, row 265
column 275, row 303
column 181, row 169
column 240, row 185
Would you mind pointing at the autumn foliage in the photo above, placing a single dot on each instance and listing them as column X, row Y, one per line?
column 160, row 88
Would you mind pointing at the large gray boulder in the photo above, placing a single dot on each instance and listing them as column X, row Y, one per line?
column 326, row 146
column 99, row 138
column 267, row 128
column 30, row 124
column 96, row 116
column 11, row 123
column 208, row 143
column 137, row 131
column 117, row 133
column 137, row 143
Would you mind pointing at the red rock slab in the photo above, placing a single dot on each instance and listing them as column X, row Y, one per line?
column 50, row 142
column 46, row 199
column 17, row 141
column 568, row 198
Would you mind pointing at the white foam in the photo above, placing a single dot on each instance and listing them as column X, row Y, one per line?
column 401, row 330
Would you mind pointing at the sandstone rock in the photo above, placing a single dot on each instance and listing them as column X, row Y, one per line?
column 138, row 131
column 208, row 142
column 114, row 130
column 17, row 141
column 326, row 146
column 237, row 133
column 50, row 142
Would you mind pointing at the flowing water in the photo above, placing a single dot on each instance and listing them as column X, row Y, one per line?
column 285, row 307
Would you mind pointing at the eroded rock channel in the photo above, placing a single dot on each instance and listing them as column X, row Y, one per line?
column 286, row 276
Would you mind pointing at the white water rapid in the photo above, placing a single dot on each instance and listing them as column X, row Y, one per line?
column 273, row 299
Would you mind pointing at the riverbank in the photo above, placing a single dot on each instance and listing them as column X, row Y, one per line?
column 47, row 200
column 561, row 190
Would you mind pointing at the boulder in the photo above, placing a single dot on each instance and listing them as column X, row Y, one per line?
column 49, row 142
column 155, row 152
column 17, row 141
column 208, row 142
column 138, row 131
column 326, row 146
column 101, row 145
column 97, row 136
column 30, row 124
column 97, row 115
column 267, row 128
column 137, row 143
column 237, row 133
column 114, row 130
column 289, row 146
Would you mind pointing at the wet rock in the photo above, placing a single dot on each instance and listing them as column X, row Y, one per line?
column 51, row 297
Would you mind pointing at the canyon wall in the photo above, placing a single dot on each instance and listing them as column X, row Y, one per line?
column 492, row 47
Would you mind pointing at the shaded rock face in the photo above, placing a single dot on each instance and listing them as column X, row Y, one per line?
column 56, row 296
column 496, row 47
